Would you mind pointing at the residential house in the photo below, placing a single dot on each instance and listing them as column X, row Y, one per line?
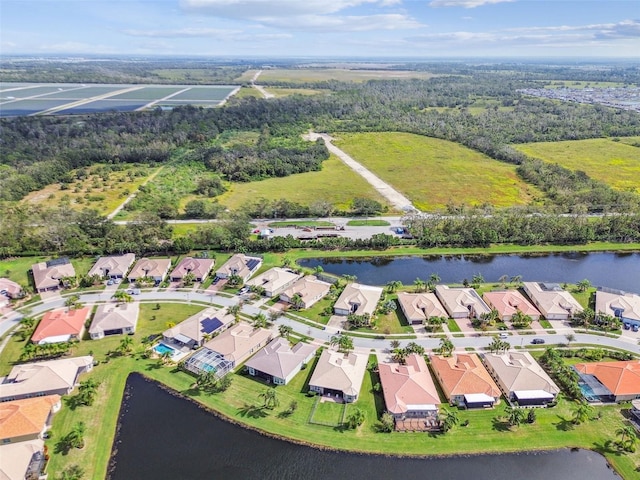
column 610, row 381
column 358, row 299
column 464, row 380
column 461, row 302
column 508, row 302
column 309, row 289
column 339, row 375
column 198, row 267
column 410, row 394
column 10, row 289
column 551, row 300
column 240, row 265
column 622, row 305
column 51, row 377
column 115, row 266
column 27, row 419
column 198, row 328
column 274, row 281
column 156, row 268
column 420, row 307
column 520, row 378
column 22, row 461
column 61, row 325
column 239, row 342
column 279, row 362
column 49, row 276
column 114, row 319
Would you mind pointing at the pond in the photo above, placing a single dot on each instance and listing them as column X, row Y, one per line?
column 614, row 270
column 163, row 437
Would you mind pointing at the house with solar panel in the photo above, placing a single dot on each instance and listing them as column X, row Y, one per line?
column 199, row 328
column 241, row 265
column 50, row 276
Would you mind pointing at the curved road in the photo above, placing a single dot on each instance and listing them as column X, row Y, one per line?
column 320, row 334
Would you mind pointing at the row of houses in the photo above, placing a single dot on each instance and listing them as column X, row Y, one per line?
column 29, row 397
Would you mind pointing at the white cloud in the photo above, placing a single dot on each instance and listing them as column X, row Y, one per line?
column 304, row 15
column 465, row 3
column 77, row 47
column 182, row 33
column 623, row 29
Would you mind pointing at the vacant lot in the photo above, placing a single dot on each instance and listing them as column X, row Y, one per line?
column 615, row 163
column 335, row 183
column 341, row 74
column 434, row 173
column 99, row 187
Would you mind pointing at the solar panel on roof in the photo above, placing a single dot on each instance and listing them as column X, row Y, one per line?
column 57, row 261
column 210, row 325
column 252, row 263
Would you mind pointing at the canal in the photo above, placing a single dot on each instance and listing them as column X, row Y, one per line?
column 163, row 437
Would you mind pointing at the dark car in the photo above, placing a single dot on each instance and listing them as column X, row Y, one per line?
column 537, row 341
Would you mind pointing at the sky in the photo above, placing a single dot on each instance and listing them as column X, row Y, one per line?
column 322, row 28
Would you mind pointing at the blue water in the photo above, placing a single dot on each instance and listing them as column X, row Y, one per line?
column 588, row 392
column 161, row 349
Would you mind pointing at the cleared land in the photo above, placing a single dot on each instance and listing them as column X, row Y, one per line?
column 342, row 74
column 441, row 172
column 615, row 163
column 96, row 187
column 335, row 183
column 285, row 92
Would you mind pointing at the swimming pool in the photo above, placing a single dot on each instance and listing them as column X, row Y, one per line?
column 588, row 392
column 161, row 349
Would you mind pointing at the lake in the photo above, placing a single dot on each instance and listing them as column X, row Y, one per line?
column 614, row 270
column 163, row 437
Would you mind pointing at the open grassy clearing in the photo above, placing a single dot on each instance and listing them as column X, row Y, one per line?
column 96, row 187
column 615, row 163
column 434, row 173
column 245, row 92
column 635, row 141
column 335, row 183
column 286, row 92
column 300, row 75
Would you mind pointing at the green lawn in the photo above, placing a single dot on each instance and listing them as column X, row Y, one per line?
column 615, row 163
column 442, row 172
column 285, row 92
column 315, row 312
column 17, row 268
column 320, row 223
column 329, row 184
column 453, row 326
column 393, row 322
column 327, row 413
column 368, row 223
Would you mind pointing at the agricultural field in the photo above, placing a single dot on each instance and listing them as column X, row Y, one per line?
column 442, row 172
column 335, row 183
column 285, row 92
column 304, row 75
column 99, row 187
column 614, row 162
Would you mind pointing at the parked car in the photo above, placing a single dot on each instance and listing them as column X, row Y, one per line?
column 109, row 282
column 504, row 335
column 626, row 326
column 634, row 327
column 537, row 341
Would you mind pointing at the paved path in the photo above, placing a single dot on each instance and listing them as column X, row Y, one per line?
column 261, row 89
column 395, row 198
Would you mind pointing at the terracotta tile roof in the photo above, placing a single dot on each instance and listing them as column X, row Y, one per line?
column 508, row 302
column 61, row 322
column 26, row 417
column 406, row 385
column 200, row 267
column 463, row 374
column 621, row 378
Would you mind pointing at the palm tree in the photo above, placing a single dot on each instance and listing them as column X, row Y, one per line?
column 273, row 316
column 503, row 280
column 491, row 317
column 260, row 321
column 586, row 316
column 72, row 301
column 583, row 285
column 296, row 301
column 419, row 284
column 189, row 279
column 393, row 286
column 582, row 413
column 343, row 342
column 318, row 270
column 349, row 278
column 446, row 347
column 399, row 355
column 449, row 419
column 75, row 438
column 521, row 319
column 394, row 344
column 235, row 310
column 413, row 347
column 72, row 472
column 477, row 279
column 434, row 278
column 515, row 416
column 125, row 344
column 356, row 418
column 87, row 391
column 269, row 398
column 628, row 437
column 516, row 279
column 122, row 296
column 570, row 338
column 285, row 331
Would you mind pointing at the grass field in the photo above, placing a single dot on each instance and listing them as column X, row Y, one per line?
column 615, row 163
column 441, row 172
column 245, row 92
column 635, row 141
column 285, row 92
column 335, row 183
column 101, row 189
column 341, row 74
